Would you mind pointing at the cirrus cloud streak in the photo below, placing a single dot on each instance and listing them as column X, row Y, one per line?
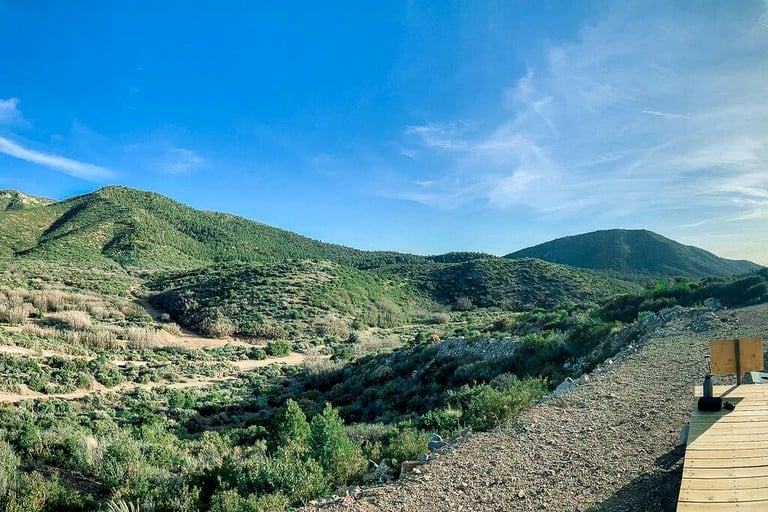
column 68, row 166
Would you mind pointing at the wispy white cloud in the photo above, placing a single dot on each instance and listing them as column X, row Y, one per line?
column 665, row 115
column 59, row 163
column 175, row 160
column 440, row 136
column 10, row 113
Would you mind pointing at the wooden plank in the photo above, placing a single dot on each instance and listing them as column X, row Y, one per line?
column 724, row 429
column 751, row 446
column 755, row 506
column 723, row 495
column 733, row 391
column 724, row 355
column 726, row 451
column 725, row 473
column 722, row 436
column 725, row 413
column 724, row 463
column 731, row 418
column 726, row 460
column 759, row 482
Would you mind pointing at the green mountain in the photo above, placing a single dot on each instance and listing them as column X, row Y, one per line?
column 634, row 254
column 147, row 231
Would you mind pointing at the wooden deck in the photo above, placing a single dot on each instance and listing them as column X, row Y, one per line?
column 726, row 460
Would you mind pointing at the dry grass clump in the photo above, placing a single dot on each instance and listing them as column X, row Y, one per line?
column 13, row 308
column 319, row 370
column 14, row 314
column 40, row 332
column 93, row 336
column 98, row 336
column 140, row 337
column 77, row 320
column 47, row 300
column 172, row 328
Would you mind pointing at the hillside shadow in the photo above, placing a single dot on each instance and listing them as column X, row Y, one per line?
column 650, row 492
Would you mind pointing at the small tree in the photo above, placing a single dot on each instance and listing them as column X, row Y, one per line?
column 338, row 456
column 291, row 426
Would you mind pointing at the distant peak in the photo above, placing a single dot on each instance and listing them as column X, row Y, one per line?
column 16, row 200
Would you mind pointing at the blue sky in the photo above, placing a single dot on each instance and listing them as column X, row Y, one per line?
column 415, row 126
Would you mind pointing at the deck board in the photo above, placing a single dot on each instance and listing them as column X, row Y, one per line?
column 726, row 460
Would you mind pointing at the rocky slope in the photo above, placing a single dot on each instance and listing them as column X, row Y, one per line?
column 611, row 444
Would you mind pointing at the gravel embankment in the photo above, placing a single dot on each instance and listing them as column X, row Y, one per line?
column 609, row 445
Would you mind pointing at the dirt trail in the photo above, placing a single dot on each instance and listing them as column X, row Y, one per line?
column 294, row 358
column 17, row 351
column 187, row 338
column 27, row 394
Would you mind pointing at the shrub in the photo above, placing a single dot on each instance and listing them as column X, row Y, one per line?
column 288, row 472
column 439, row 318
column 405, row 443
column 215, row 324
column 36, row 493
column 230, row 501
column 172, row 328
column 118, row 461
column 442, row 421
column 463, row 304
column 257, row 353
column 485, row 407
column 279, row 348
column 267, row 330
column 332, row 325
column 341, row 460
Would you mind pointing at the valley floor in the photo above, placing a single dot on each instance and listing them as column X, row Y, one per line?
column 612, row 444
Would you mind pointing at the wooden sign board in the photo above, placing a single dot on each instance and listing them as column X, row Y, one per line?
column 750, row 351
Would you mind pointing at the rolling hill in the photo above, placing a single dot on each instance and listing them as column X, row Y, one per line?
column 147, row 231
column 634, row 254
column 520, row 284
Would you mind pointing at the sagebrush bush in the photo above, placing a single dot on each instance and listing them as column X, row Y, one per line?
column 172, row 328
column 217, row 325
column 332, row 325
column 278, row 348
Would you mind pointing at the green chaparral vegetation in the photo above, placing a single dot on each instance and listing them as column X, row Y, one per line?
column 108, row 402
column 634, row 254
